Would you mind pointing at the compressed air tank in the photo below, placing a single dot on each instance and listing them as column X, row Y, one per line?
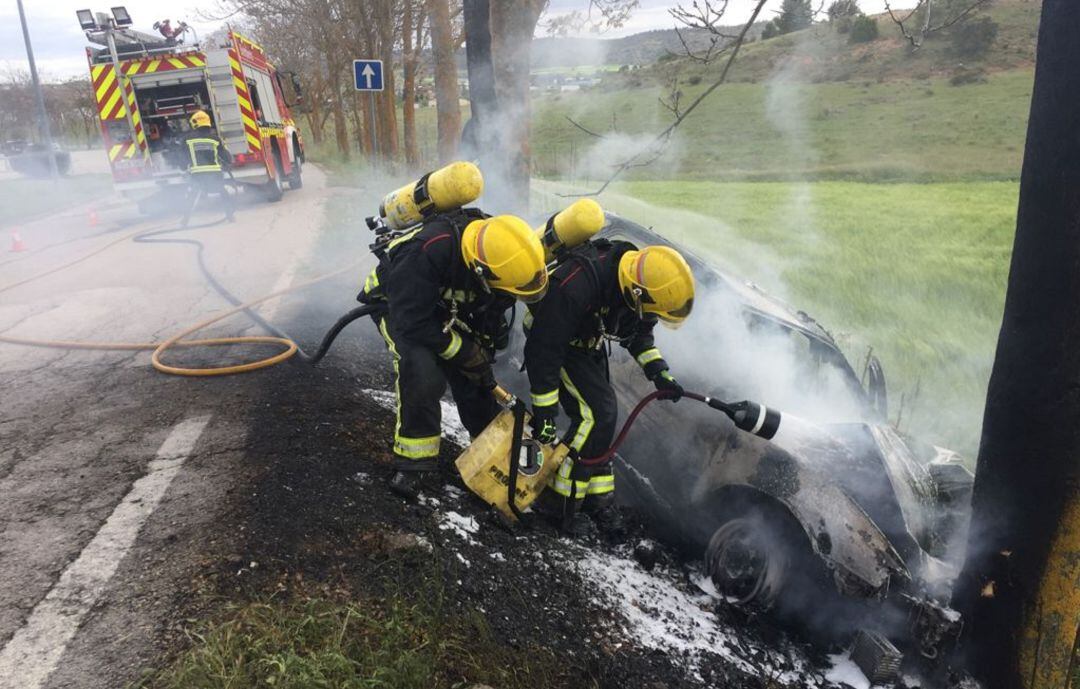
column 443, row 190
column 574, row 225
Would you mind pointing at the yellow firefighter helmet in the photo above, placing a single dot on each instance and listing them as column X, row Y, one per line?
column 657, row 280
column 507, row 255
column 199, row 119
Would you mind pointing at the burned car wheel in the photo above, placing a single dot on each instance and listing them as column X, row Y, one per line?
column 748, row 559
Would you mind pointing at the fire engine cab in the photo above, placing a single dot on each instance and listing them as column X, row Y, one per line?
column 146, row 104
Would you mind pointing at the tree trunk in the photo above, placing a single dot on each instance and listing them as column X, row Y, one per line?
column 387, row 100
column 411, row 20
column 446, row 81
column 357, row 115
column 478, row 141
column 314, row 117
column 1020, row 587
column 337, row 107
column 512, row 25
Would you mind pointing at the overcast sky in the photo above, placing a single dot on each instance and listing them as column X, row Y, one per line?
column 59, row 43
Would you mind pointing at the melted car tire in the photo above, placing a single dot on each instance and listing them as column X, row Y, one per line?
column 792, row 582
column 749, row 560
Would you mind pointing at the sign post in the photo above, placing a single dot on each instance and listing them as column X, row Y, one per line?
column 368, row 76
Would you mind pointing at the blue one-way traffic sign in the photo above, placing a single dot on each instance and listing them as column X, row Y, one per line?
column 368, row 75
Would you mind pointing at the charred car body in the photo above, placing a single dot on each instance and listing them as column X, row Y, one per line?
column 838, row 499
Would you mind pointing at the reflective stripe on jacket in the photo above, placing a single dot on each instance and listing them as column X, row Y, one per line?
column 203, row 155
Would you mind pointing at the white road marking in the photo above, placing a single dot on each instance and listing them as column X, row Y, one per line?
column 284, row 281
column 34, row 652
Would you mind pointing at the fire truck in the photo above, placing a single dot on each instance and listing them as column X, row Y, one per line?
column 147, row 91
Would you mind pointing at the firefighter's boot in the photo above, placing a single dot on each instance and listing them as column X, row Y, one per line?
column 607, row 515
column 573, row 522
column 407, row 483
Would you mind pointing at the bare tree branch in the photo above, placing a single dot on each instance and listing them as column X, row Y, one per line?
column 609, row 14
column 703, row 15
column 584, row 128
column 659, row 143
column 674, row 97
column 918, row 35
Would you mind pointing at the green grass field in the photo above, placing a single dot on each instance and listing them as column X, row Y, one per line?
column 916, row 271
column 23, row 198
column 901, row 130
column 855, row 182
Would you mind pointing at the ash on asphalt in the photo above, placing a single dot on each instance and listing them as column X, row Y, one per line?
column 319, row 512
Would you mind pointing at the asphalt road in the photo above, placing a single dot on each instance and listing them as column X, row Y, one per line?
column 116, row 480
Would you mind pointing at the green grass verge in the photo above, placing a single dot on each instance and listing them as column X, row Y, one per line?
column 924, row 130
column 394, row 627
column 917, row 271
column 367, row 644
column 23, row 198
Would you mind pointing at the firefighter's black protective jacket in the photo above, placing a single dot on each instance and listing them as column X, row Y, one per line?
column 426, row 284
column 584, row 308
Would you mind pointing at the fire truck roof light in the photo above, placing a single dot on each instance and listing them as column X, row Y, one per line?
column 86, row 20
column 120, row 14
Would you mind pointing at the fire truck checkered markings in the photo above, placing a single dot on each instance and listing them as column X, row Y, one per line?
column 124, row 150
column 162, row 64
column 235, row 82
column 251, row 128
column 107, row 92
column 136, row 119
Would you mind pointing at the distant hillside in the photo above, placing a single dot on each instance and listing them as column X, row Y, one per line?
column 821, row 54
column 638, row 49
column 871, row 111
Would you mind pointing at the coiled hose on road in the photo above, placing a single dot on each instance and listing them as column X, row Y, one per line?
column 277, row 337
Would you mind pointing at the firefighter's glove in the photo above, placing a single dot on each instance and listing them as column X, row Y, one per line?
column 666, row 383
column 543, row 423
column 474, row 364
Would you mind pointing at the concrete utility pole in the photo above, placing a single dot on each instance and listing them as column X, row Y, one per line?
column 42, row 117
column 111, row 39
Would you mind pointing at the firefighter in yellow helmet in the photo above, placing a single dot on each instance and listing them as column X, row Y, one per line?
column 603, row 292
column 449, row 288
column 205, row 159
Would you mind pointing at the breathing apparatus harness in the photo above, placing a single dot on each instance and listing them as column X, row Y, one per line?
column 458, row 219
column 587, row 256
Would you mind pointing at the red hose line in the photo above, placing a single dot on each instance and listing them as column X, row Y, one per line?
column 628, row 424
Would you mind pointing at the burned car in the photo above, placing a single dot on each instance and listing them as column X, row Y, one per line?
column 838, row 502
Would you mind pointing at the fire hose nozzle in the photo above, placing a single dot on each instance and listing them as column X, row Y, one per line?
column 753, row 418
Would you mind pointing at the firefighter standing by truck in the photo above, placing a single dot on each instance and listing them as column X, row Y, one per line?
column 205, row 159
column 448, row 287
column 602, row 292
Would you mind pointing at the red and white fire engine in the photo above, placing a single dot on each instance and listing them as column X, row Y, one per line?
column 145, row 109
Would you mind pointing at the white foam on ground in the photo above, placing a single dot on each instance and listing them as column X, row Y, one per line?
column 452, row 427
column 845, row 671
column 661, row 616
column 460, row 525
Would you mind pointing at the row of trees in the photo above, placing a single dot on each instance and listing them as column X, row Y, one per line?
column 69, row 104
column 418, row 42
column 319, row 40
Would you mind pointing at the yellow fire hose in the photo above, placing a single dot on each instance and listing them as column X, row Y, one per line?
column 159, row 348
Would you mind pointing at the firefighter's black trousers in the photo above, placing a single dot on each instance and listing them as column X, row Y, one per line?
column 586, row 395
column 421, row 379
column 203, row 184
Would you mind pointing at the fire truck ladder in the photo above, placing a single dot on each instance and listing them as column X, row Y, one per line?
column 230, row 126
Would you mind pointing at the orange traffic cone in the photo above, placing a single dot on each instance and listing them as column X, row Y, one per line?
column 92, row 218
column 17, row 242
